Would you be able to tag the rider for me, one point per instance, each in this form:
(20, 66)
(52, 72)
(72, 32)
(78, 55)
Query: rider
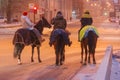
(60, 23)
(86, 19)
(27, 24)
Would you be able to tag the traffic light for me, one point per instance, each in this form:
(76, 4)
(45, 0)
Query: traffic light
(35, 10)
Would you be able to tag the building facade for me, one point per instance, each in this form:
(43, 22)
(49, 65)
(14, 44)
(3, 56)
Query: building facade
(48, 8)
(77, 9)
(69, 8)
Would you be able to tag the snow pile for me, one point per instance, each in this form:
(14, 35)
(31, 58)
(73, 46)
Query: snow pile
(115, 70)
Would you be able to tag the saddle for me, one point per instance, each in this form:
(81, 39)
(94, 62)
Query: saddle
(24, 36)
(61, 32)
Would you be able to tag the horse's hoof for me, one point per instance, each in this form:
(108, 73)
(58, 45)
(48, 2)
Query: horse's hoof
(81, 61)
(89, 62)
(94, 62)
(40, 61)
(43, 40)
(70, 43)
(20, 63)
(84, 64)
(57, 64)
(32, 60)
(61, 63)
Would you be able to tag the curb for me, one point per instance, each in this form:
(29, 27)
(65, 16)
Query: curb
(104, 70)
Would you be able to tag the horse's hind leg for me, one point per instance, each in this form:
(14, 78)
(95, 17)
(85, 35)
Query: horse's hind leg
(21, 47)
(61, 58)
(32, 60)
(57, 59)
(85, 55)
(89, 58)
(94, 61)
(81, 53)
(93, 55)
(38, 50)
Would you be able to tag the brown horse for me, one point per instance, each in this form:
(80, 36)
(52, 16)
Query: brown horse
(90, 43)
(59, 38)
(25, 37)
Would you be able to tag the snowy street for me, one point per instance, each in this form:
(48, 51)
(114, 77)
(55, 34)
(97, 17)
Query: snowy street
(9, 70)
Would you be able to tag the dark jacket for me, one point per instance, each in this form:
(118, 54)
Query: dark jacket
(59, 22)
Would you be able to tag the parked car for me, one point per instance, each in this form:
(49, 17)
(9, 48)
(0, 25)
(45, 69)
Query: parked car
(3, 19)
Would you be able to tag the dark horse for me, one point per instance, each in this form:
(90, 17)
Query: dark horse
(89, 42)
(25, 37)
(60, 39)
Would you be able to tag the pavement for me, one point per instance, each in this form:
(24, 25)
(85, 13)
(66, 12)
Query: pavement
(89, 71)
(12, 25)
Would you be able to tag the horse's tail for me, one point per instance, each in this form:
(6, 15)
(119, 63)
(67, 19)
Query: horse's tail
(92, 40)
(15, 53)
(17, 39)
(18, 49)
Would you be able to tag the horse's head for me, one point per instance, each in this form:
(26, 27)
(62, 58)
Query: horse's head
(41, 24)
(46, 23)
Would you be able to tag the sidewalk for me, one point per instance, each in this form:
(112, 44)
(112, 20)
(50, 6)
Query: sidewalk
(12, 25)
(88, 72)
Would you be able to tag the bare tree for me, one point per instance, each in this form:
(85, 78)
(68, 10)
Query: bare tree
(8, 10)
(5, 9)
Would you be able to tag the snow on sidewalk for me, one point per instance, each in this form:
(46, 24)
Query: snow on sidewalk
(115, 70)
(89, 71)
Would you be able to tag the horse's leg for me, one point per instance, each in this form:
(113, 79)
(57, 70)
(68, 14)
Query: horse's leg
(85, 46)
(19, 59)
(93, 55)
(32, 60)
(94, 61)
(63, 56)
(57, 58)
(21, 47)
(38, 50)
(89, 54)
(81, 53)
(89, 57)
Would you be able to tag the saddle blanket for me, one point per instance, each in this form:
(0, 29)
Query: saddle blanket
(84, 31)
(24, 36)
(57, 32)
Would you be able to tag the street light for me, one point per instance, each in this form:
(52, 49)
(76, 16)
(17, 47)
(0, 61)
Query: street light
(35, 12)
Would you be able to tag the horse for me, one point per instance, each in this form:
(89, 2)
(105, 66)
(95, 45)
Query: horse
(59, 38)
(24, 37)
(88, 43)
